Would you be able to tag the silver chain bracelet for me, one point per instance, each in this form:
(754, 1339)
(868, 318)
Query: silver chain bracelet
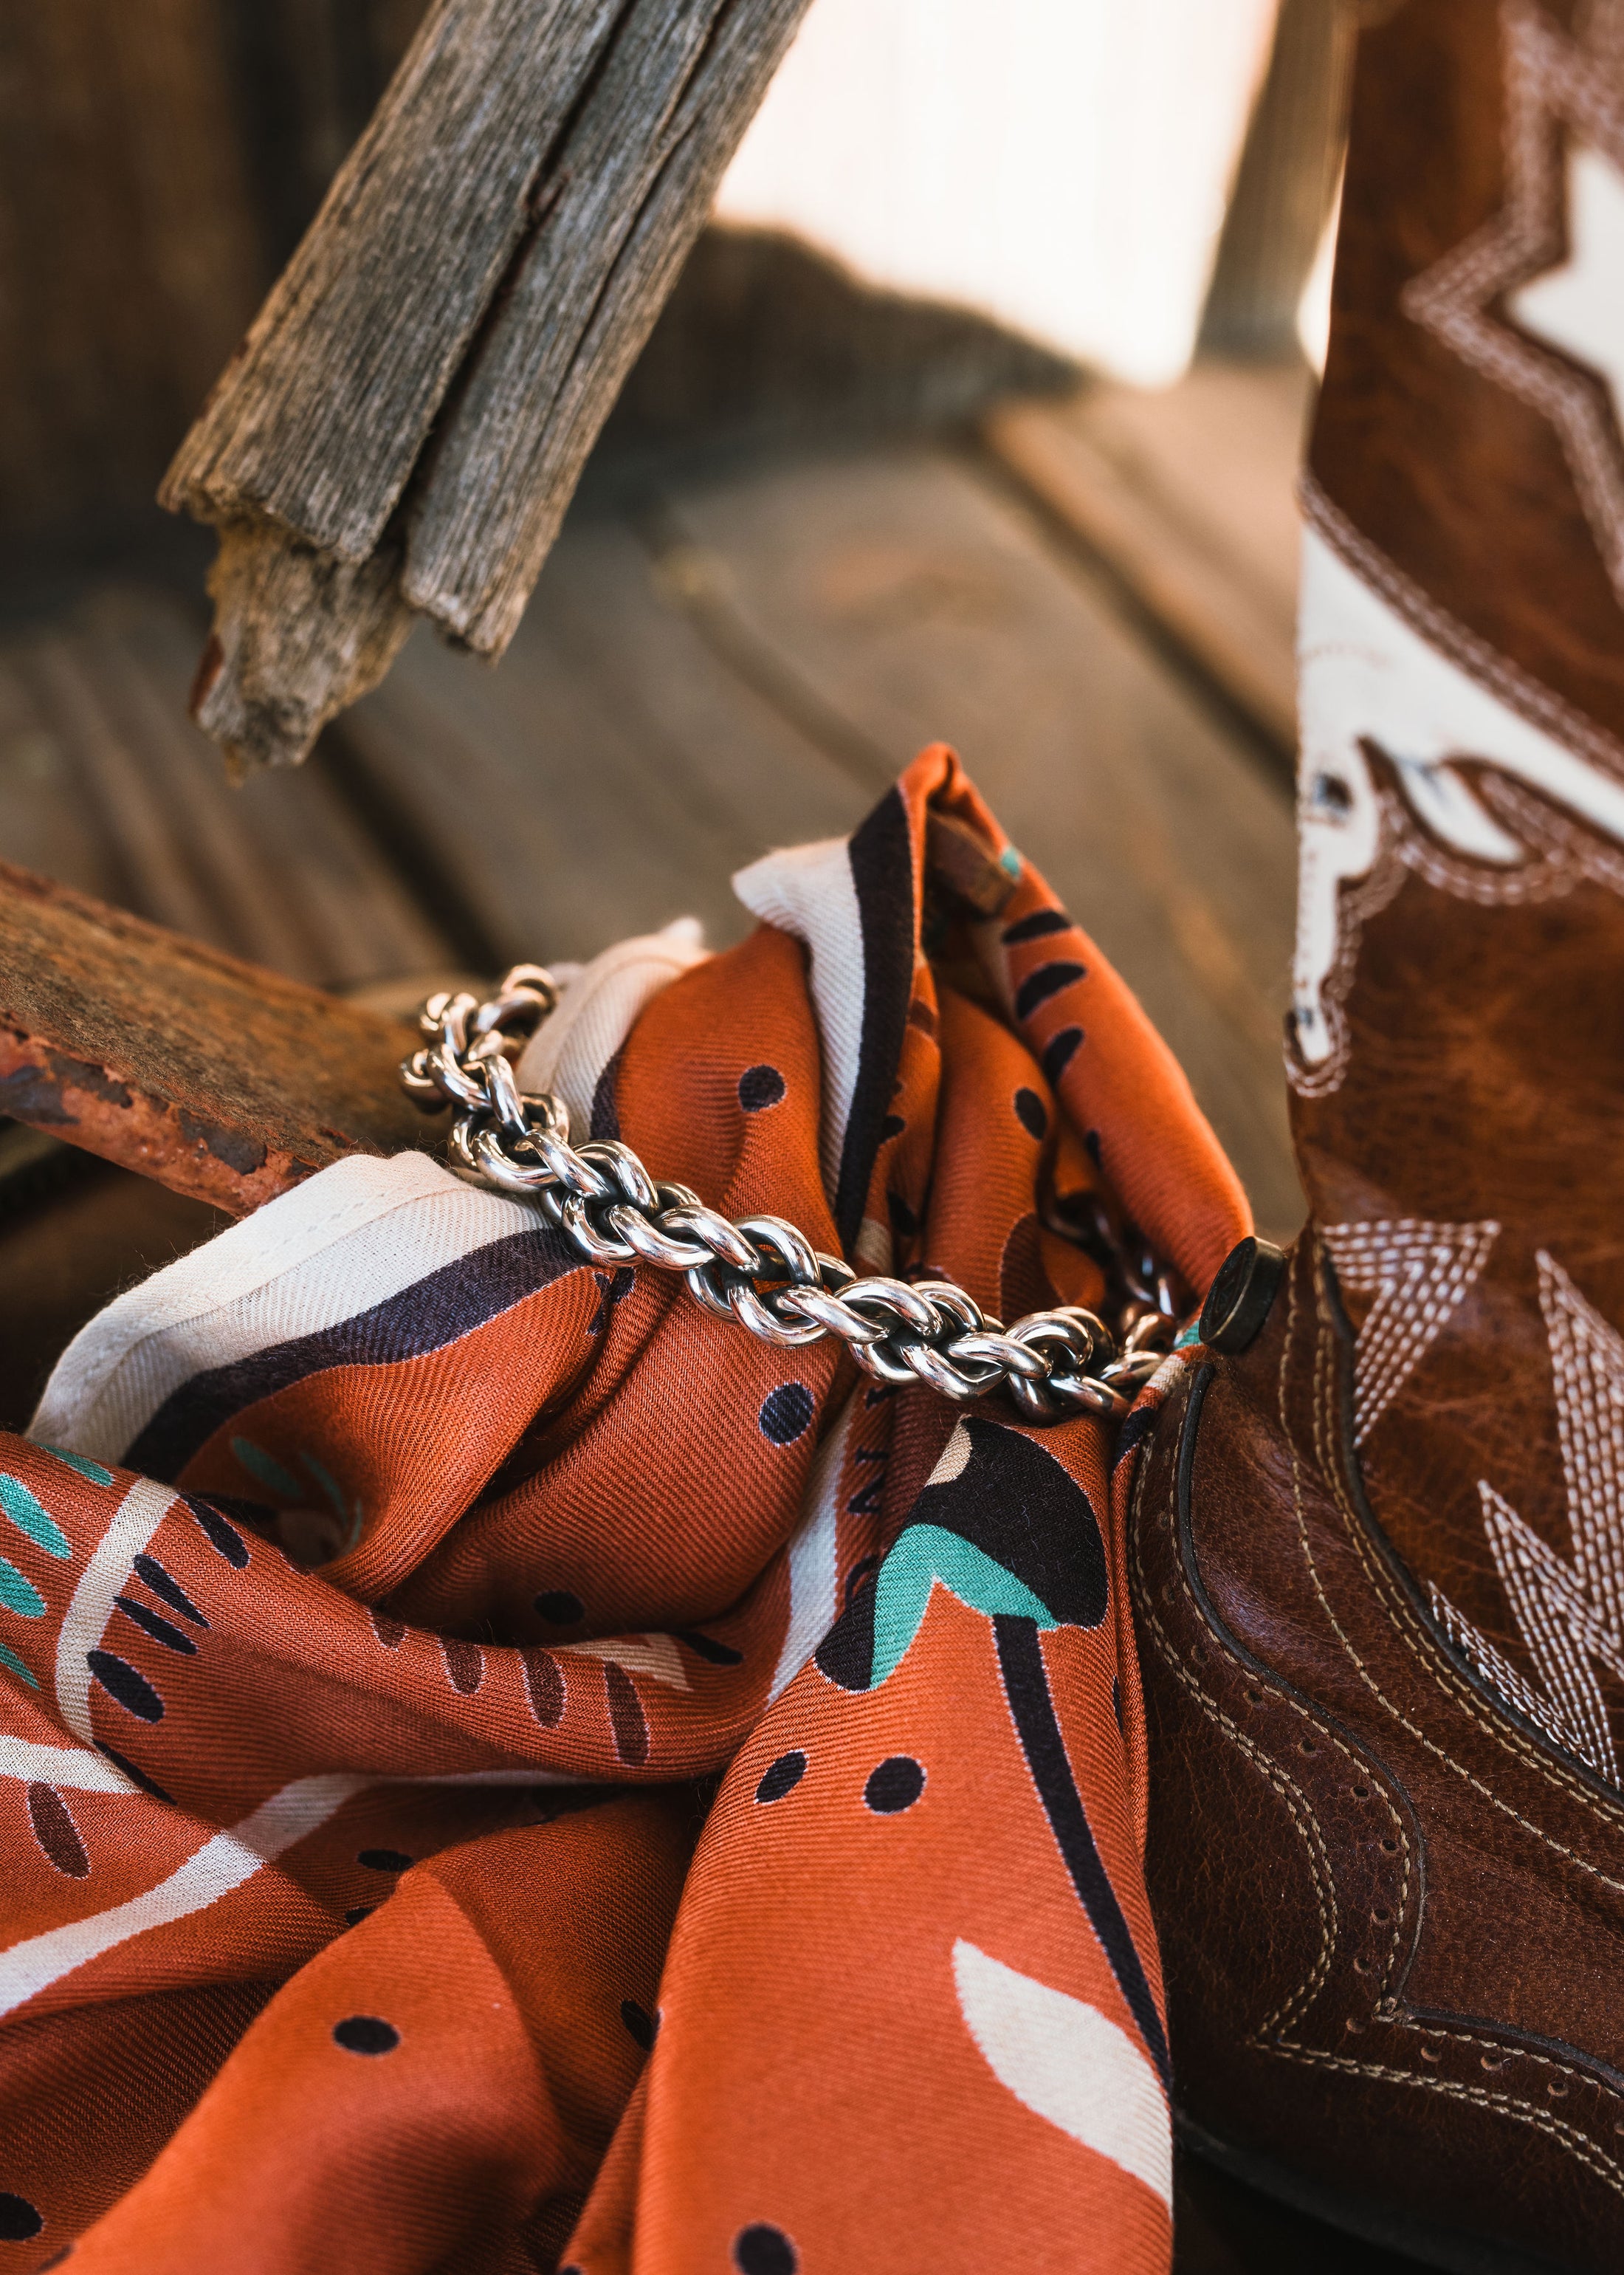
(761, 1271)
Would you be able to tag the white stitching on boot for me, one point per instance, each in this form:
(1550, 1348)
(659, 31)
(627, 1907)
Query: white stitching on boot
(1569, 1615)
(1418, 1273)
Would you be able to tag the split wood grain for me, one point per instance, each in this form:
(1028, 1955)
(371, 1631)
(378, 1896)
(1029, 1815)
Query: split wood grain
(219, 1079)
(404, 427)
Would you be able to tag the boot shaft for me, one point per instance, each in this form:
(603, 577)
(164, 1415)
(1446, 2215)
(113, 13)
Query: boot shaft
(1456, 1044)
(1376, 1543)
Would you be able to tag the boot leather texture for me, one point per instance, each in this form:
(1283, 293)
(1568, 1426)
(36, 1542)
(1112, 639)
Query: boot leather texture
(1390, 1909)
(1378, 1556)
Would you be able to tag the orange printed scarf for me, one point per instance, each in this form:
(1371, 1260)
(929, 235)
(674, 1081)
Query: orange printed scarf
(501, 1771)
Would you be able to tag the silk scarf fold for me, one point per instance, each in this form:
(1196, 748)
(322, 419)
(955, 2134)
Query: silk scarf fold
(501, 1771)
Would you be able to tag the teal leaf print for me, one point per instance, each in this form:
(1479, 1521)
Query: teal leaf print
(353, 1518)
(94, 1471)
(26, 1515)
(19, 1595)
(267, 1468)
(927, 1553)
(10, 1659)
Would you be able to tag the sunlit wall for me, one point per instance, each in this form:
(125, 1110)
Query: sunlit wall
(1061, 165)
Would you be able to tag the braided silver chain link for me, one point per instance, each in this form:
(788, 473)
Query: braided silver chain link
(760, 1271)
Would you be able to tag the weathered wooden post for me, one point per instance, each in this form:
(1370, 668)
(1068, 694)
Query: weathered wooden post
(410, 413)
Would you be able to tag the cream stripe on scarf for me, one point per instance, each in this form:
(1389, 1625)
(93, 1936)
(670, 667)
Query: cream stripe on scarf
(135, 1520)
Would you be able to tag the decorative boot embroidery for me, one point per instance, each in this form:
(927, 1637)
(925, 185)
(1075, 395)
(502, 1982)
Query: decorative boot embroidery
(1551, 256)
(1570, 1617)
(1419, 1274)
(1371, 677)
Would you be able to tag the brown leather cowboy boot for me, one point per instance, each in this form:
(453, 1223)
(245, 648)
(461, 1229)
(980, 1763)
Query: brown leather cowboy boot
(1377, 1531)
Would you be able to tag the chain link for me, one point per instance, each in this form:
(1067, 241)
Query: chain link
(760, 1271)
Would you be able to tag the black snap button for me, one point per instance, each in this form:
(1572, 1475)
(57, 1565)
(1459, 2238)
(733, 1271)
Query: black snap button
(1239, 1299)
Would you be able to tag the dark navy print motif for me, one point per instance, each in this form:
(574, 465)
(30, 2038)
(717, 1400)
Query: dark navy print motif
(881, 858)
(759, 1087)
(425, 1317)
(1048, 979)
(121, 1682)
(1058, 1052)
(1012, 1535)
(1031, 1113)
(1036, 926)
(786, 1412)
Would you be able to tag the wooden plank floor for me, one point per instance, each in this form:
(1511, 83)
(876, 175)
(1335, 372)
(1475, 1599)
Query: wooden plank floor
(1189, 495)
(733, 656)
(105, 783)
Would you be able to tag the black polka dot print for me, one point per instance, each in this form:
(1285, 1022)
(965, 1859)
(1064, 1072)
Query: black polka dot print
(761, 2249)
(559, 1608)
(19, 2219)
(895, 1786)
(640, 2023)
(782, 1777)
(786, 1413)
(1032, 1112)
(365, 2033)
(385, 1860)
(759, 1087)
